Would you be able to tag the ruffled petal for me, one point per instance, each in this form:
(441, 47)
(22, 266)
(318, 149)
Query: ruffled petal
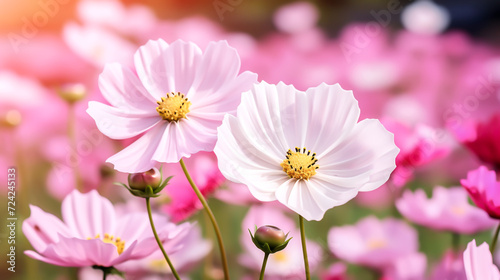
(42, 229)
(118, 125)
(88, 214)
(369, 152)
(123, 89)
(296, 195)
(164, 68)
(332, 113)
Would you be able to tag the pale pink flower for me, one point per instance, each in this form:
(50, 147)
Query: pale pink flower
(296, 17)
(478, 262)
(194, 249)
(304, 149)
(451, 266)
(284, 264)
(448, 209)
(484, 189)
(408, 267)
(91, 234)
(191, 91)
(373, 242)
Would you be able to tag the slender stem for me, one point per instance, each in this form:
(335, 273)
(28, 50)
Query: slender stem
(212, 219)
(304, 249)
(104, 275)
(494, 241)
(263, 266)
(148, 205)
(73, 145)
(455, 242)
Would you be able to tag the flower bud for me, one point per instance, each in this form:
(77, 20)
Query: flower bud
(270, 235)
(73, 92)
(139, 181)
(270, 239)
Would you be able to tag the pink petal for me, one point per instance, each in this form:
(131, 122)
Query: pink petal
(88, 214)
(42, 229)
(163, 68)
(478, 262)
(118, 125)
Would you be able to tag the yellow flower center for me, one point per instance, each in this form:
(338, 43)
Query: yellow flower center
(376, 243)
(120, 244)
(299, 164)
(173, 107)
(280, 257)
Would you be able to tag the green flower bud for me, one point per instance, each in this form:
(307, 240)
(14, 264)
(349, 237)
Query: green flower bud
(139, 181)
(270, 239)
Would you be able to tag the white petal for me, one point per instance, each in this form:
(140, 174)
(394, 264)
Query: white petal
(164, 68)
(123, 89)
(369, 152)
(116, 124)
(296, 195)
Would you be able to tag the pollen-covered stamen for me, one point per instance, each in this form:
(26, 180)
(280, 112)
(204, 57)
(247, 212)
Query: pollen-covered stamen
(300, 164)
(173, 107)
(120, 244)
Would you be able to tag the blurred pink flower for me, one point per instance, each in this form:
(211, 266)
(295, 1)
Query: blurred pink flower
(478, 262)
(194, 249)
(296, 17)
(408, 267)
(448, 209)
(337, 271)
(191, 90)
(484, 190)
(419, 146)
(451, 266)
(182, 200)
(484, 141)
(284, 264)
(286, 145)
(91, 234)
(372, 242)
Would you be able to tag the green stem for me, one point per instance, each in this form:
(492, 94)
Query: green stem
(455, 242)
(304, 249)
(148, 205)
(104, 275)
(494, 241)
(212, 219)
(263, 266)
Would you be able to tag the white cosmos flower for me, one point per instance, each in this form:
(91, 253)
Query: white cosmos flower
(305, 149)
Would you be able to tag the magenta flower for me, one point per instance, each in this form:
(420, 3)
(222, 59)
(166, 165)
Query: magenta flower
(479, 263)
(484, 190)
(91, 233)
(372, 242)
(484, 141)
(176, 101)
(448, 209)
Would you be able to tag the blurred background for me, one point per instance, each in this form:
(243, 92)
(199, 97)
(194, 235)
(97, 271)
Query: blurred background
(427, 69)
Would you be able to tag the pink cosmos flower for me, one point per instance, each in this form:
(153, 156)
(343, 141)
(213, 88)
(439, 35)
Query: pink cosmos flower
(284, 264)
(409, 267)
(194, 249)
(304, 149)
(478, 262)
(91, 234)
(484, 141)
(419, 146)
(448, 209)
(451, 266)
(182, 201)
(372, 242)
(484, 190)
(176, 101)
